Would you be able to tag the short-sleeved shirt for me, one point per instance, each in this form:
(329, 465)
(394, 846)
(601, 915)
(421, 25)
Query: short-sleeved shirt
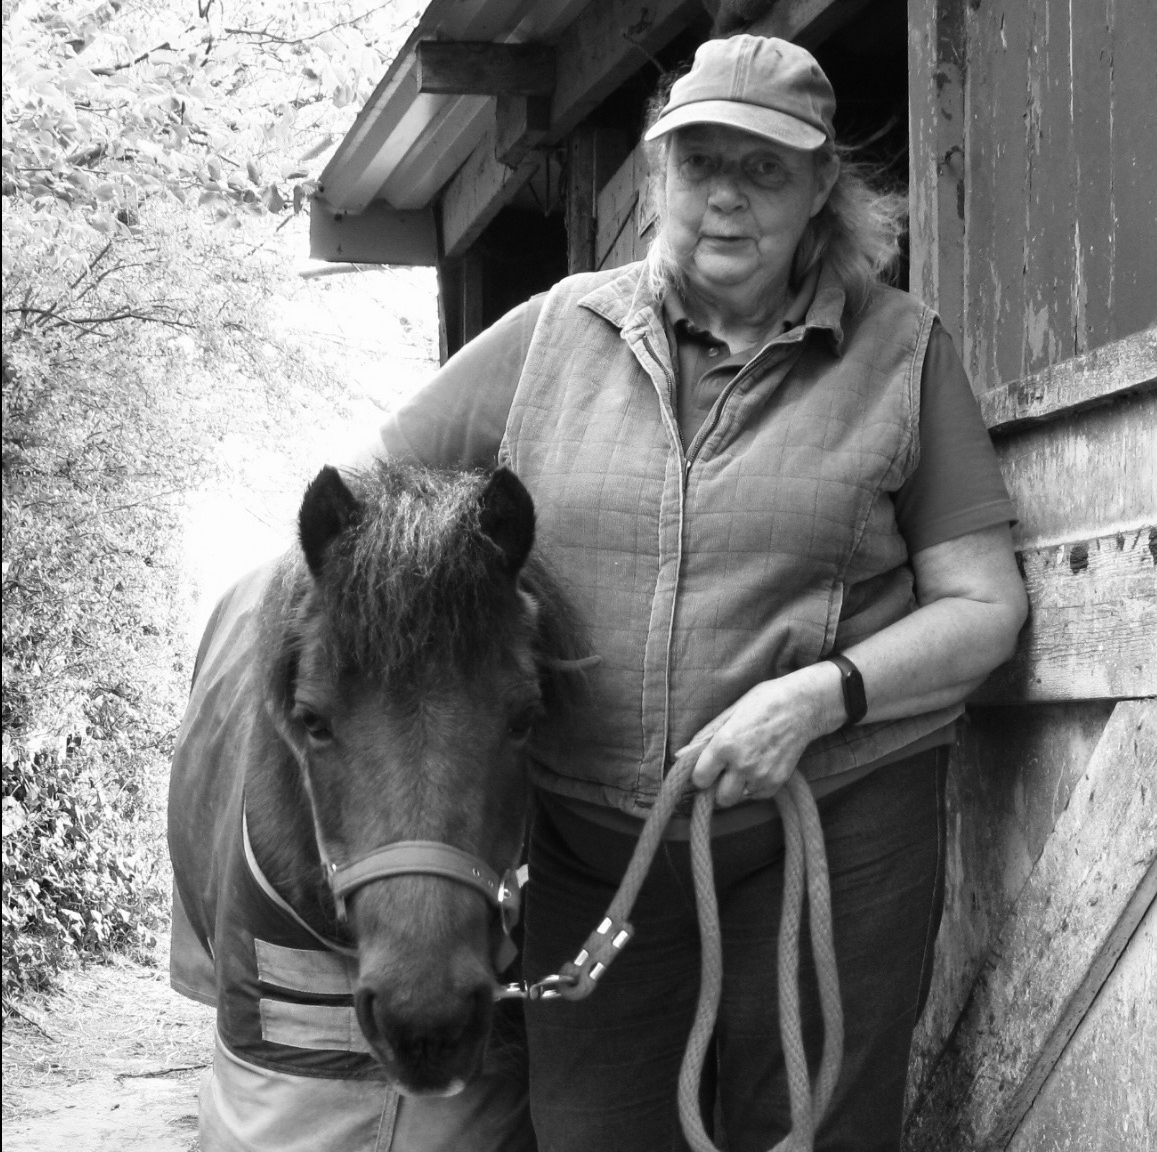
(458, 420)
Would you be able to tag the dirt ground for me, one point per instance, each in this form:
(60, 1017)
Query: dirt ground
(111, 1062)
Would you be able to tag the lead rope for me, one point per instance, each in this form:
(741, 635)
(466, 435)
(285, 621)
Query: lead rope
(804, 862)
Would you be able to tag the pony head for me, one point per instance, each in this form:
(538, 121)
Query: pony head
(420, 656)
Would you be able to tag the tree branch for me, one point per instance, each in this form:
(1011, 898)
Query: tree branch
(270, 38)
(114, 68)
(90, 324)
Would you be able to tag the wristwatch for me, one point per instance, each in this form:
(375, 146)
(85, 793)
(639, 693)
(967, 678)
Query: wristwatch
(855, 702)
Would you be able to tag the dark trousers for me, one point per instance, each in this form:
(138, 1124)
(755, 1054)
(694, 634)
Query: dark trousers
(603, 1071)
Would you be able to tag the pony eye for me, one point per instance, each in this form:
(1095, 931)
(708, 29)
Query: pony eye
(314, 723)
(520, 725)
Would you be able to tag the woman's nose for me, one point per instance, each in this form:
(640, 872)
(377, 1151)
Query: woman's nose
(726, 191)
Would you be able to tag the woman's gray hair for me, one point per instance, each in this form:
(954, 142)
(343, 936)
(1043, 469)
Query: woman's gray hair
(857, 233)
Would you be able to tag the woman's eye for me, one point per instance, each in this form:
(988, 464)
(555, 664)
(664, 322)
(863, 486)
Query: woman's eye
(766, 171)
(698, 165)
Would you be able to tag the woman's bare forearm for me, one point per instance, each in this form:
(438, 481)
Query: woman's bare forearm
(972, 605)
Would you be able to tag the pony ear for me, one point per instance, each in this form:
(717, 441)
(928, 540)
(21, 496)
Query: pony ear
(327, 507)
(508, 517)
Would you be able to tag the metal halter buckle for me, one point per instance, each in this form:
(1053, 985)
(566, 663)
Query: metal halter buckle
(548, 988)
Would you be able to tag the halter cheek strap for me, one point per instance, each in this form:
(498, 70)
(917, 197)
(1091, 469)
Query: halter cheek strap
(428, 858)
(409, 857)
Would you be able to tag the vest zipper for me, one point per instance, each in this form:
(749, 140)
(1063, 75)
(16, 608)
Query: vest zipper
(712, 422)
(674, 402)
(674, 418)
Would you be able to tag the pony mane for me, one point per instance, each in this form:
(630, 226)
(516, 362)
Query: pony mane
(415, 585)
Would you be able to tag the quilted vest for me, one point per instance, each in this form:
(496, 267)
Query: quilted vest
(702, 573)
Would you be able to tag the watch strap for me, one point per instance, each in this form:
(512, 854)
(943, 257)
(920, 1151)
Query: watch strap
(855, 701)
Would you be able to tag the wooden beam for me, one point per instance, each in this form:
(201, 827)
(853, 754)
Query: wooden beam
(807, 22)
(1087, 892)
(521, 124)
(1092, 629)
(608, 42)
(478, 68)
(482, 187)
(379, 235)
(1128, 365)
(580, 200)
(473, 295)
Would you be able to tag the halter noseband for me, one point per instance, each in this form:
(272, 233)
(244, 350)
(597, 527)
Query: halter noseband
(428, 858)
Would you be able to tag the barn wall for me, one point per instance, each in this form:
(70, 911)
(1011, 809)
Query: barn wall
(1034, 196)
(1061, 198)
(1100, 1096)
(1011, 775)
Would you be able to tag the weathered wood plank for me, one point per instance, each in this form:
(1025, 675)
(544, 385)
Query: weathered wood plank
(1084, 477)
(1061, 152)
(601, 49)
(1127, 161)
(617, 238)
(1127, 365)
(1092, 631)
(1094, 233)
(807, 21)
(1102, 1094)
(478, 68)
(936, 184)
(1085, 896)
(1012, 773)
(1048, 265)
(997, 154)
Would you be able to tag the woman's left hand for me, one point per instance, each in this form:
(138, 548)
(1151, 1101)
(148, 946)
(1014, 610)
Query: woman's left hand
(753, 747)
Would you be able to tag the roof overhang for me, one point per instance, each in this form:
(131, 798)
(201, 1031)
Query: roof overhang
(423, 171)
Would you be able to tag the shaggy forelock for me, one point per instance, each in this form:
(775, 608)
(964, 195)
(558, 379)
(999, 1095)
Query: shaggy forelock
(415, 583)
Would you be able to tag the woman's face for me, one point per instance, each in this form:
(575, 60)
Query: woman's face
(737, 206)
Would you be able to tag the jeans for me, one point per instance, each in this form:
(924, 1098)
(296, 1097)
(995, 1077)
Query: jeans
(604, 1069)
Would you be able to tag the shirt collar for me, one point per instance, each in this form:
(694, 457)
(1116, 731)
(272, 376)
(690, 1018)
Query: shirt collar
(628, 302)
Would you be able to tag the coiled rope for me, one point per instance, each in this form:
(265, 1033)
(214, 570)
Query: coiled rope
(804, 863)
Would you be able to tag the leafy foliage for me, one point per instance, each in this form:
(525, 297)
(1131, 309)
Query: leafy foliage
(108, 105)
(139, 343)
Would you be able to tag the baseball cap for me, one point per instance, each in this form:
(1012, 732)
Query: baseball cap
(758, 84)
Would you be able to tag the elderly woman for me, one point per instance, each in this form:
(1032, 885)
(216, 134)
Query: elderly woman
(765, 479)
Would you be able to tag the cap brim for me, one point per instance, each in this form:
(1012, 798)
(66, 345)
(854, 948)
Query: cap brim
(759, 121)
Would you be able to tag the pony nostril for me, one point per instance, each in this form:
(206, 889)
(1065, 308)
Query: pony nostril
(426, 1042)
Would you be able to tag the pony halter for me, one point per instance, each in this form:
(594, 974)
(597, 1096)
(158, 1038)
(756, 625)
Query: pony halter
(428, 858)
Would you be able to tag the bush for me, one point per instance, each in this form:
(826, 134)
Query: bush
(127, 386)
(81, 871)
(144, 359)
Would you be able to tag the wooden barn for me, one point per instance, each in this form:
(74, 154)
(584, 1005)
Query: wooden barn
(501, 148)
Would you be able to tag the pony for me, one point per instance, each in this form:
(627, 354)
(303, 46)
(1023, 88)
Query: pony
(349, 785)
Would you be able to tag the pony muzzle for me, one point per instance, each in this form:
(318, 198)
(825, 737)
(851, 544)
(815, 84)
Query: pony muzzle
(429, 1052)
